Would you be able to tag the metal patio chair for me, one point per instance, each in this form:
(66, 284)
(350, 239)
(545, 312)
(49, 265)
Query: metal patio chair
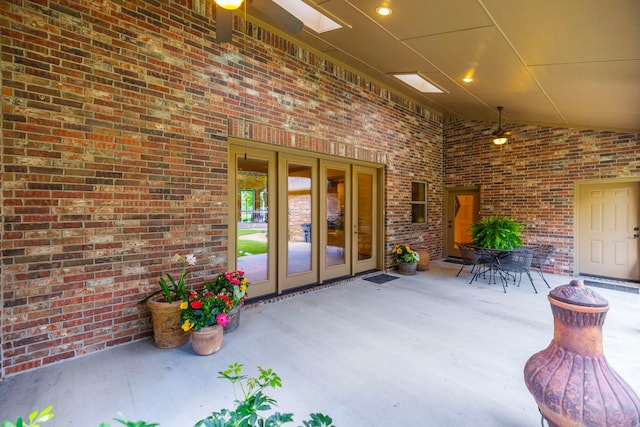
(469, 257)
(540, 258)
(512, 266)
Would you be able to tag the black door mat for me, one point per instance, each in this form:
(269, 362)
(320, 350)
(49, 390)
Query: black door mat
(381, 278)
(614, 286)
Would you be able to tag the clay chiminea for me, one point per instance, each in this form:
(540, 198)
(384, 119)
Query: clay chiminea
(571, 380)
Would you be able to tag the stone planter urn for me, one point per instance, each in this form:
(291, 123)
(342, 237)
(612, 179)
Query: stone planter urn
(167, 328)
(207, 340)
(570, 380)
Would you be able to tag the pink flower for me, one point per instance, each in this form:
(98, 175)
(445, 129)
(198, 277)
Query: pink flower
(222, 319)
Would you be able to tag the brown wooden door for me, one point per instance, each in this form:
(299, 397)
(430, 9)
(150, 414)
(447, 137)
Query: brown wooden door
(462, 210)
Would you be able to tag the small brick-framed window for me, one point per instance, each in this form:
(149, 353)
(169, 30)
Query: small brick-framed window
(418, 202)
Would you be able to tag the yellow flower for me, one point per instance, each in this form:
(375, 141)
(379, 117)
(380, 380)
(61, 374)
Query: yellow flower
(243, 287)
(187, 325)
(184, 305)
(244, 281)
(408, 249)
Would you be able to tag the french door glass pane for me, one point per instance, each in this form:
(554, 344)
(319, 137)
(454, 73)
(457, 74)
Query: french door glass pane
(335, 217)
(365, 216)
(299, 219)
(252, 218)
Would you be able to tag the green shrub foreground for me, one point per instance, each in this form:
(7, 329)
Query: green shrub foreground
(247, 413)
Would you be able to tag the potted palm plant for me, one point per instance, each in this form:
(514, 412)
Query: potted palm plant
(164, 305)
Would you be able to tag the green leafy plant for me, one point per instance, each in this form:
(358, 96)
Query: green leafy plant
(35, 418)
(497, 232)
(404, 253)
(122, 420)
(174, 288)
(253, 401)
(247, 413)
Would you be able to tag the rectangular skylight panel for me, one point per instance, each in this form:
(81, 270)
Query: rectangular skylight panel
(418, 82)
(309, 16)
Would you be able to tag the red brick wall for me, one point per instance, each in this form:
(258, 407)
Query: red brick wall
(115, 123)
(532, 178)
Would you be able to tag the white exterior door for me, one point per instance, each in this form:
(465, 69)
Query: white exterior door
(608, 230)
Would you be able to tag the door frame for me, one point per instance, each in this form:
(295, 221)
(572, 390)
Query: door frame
(268, 286)
(332, 272)
(576, 211)
(377, 219)
(286, 279)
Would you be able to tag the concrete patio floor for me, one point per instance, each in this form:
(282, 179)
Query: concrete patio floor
(423, 350)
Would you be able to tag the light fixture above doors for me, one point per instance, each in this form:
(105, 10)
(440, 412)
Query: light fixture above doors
(229, 4)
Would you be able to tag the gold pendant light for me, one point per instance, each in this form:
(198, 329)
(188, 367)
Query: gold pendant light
(229, 4)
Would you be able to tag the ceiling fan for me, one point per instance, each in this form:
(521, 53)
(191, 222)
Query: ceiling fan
(500, 136)
(224, 16)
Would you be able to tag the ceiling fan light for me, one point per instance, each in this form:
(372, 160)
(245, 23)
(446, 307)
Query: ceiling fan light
(229, 4)
(500, 141)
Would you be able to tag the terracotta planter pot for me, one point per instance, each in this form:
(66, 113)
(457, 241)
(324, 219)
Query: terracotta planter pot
(407, 268)
(234, 320)
(167, 329)
(425, 259)
(207, 340)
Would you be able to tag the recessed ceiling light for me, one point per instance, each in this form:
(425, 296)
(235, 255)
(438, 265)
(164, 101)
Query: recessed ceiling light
(418, 82)
(383, 11)
(467, 79)
(311, 18)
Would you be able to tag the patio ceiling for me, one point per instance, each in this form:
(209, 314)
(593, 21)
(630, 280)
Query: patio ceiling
(572, 63)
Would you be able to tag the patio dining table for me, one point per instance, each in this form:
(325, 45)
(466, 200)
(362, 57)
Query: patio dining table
(509, 264)
(490, 259)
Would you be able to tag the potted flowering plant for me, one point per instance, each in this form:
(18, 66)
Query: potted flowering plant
(233, 285)
(204, 314)
(405, 258)
(203, 309)
(164, 305)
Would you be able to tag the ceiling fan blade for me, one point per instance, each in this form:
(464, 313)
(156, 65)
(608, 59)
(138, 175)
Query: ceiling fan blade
(279, 15)
(224, 25)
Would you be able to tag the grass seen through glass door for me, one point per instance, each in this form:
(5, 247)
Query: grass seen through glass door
(251, 246)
